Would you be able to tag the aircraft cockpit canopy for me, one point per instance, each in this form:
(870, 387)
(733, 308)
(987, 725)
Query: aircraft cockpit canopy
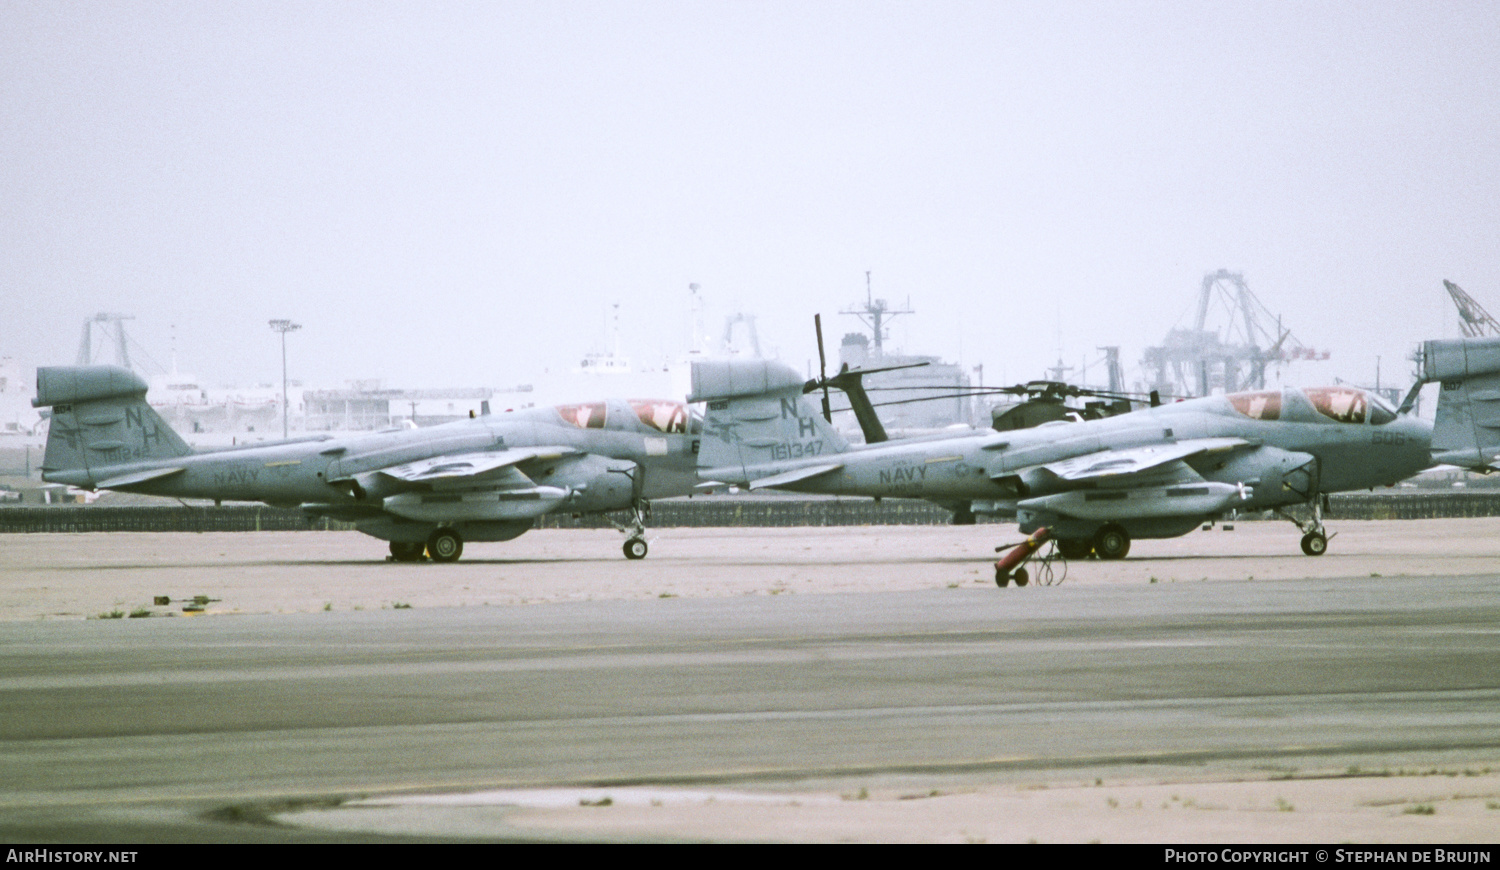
(1350, 405)
(663, 416)
(589, 415)
(660, 415)
(1340, 404)
(1262, 405)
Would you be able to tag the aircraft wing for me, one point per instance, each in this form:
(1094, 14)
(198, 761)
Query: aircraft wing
(497, 466)
(1135, 460)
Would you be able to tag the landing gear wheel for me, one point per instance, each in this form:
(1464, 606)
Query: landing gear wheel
(408, 551)
(445, 545)
(1314, 544)
(635, 548)
(1112, 542)
(1075, 548)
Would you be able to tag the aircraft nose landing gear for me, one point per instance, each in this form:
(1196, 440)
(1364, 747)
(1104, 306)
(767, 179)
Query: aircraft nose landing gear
(635, 533)
(1314, 537)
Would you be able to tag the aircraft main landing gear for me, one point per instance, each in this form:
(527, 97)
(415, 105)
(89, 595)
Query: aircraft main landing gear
(635, 548)
(1112, 542)
(408, 551)
(1075, 548)
(445, 545)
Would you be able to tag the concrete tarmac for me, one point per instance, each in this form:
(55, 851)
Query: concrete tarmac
(788, 684)
(77, 576)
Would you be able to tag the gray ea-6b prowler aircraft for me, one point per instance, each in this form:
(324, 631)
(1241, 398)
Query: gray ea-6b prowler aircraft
(425, 491)
(1095, 485)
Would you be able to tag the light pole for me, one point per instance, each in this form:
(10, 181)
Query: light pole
(283, 327)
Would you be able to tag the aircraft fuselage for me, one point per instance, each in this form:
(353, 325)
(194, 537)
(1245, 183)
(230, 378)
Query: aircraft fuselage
(304, 471)
(994, 466)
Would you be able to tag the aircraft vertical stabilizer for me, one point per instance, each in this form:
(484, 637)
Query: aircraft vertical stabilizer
(757, 418)
(1466, 431)
(100, 418)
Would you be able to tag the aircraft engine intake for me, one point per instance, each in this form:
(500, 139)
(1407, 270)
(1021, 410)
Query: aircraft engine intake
(598, 483)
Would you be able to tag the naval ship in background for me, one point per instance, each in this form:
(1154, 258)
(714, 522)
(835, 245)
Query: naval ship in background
(918, 394)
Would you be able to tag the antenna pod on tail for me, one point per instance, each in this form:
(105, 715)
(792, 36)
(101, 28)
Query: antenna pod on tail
(99, 419)
(1466, 431)
(757, 418)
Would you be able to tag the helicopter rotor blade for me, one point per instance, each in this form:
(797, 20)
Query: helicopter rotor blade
(823, 368)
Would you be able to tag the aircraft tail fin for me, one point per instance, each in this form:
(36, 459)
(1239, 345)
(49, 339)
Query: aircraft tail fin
(100, 419)
(1466, 431)
(757, 419)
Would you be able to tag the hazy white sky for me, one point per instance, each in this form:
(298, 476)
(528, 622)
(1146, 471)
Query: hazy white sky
(453, 193)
